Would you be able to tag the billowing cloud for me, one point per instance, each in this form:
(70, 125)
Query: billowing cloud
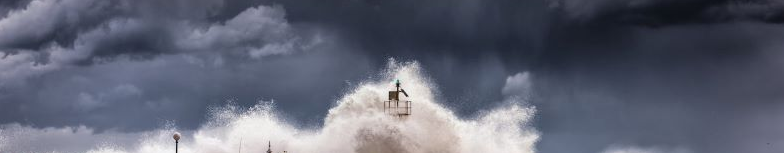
(258, 31)
(518, 85)
(694, 68)
(49, 35)
(42, 19)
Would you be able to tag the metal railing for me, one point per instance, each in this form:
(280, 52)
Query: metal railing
(398, 108)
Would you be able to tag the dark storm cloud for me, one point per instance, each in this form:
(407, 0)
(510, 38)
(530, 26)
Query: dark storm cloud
(67, 62)
(604, 79)
(705, 80)
(687, 84)
(456, 41)
(462, 28)
(50, 35)
(656, 13)
(675, 86)
(180, 89)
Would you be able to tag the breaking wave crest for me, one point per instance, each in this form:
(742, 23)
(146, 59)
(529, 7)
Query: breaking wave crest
(357, 124)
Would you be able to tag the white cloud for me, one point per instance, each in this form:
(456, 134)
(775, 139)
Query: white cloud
(518, 85)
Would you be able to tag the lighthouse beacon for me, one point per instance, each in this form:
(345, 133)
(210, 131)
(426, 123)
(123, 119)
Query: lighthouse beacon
(396, 107)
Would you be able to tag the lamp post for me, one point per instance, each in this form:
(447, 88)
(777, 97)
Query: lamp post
(176, 141)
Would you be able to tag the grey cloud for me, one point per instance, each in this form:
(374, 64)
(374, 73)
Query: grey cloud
(654, 13)
(41, 22)
(672, 86)
(28, 63)
(97, 33)
(259, 31)
(20, 138)
(463, 29)
(74, 60)
(180, 87)
(601, 82)
(7, 6)
(86, 101)
(597, 77)
(90, 101)
(17, 67)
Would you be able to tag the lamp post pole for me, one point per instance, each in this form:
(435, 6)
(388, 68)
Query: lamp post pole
(176, 141)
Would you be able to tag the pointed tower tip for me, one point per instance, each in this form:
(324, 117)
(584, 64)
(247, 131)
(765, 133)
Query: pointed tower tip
(269, 150)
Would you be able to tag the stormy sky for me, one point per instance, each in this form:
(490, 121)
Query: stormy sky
(604, 75)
